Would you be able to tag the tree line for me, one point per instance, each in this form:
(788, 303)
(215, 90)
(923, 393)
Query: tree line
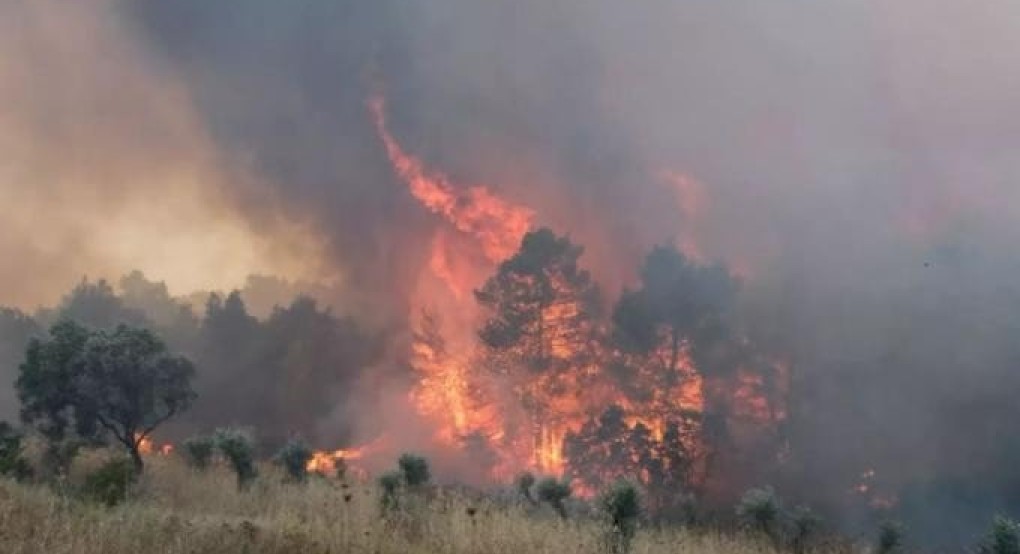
(282, 373)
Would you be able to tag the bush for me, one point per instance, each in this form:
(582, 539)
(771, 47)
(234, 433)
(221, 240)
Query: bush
(198, 451)
(389, 485)
(110, 483)
(682, 508)
(554, 492)
(759, 510)
(621, 503)
(237, 447)
(415, 470)
(59, 455)
(890, 537)
(1003, 538)
(12, 464)
(804, 522)
(340, 468)
(524, 483)
(294, 457)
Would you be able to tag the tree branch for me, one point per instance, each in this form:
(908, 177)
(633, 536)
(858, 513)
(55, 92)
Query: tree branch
(122, 437)
(170, 413)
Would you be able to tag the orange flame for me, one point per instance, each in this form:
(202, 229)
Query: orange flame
(497, 224)
(465, 402)
(327, 462)
(147, 447)
(447, 392)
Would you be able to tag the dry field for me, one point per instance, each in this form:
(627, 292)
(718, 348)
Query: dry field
(174, 509)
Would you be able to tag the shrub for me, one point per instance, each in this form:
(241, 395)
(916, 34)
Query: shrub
(340, 468)
(110, 483)
(198, 451)
(237, 447)
(553, 492)
(1003, 538)
(682, 508)
(12, 464)
(890, 537)
(415, 470)
(804, 522)
(621, 503)
(294, 457)
(389, 485)
(524, 483)
(759, 510)
(59, 455)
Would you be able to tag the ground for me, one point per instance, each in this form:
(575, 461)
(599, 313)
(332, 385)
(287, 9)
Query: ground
(174, 509)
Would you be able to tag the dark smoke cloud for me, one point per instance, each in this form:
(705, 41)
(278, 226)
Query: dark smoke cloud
(856, 163)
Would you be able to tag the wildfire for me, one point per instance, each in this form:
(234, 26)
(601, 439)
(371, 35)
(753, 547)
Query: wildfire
(559, 401)
(495, 223)
(444, 339)
(327, 462)
(146, 447)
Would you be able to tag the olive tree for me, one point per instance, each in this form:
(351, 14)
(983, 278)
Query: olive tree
(120, 383)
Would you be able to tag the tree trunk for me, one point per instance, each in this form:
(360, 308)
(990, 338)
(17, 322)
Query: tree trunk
(541, 339)
(560, 509)
(136, 457)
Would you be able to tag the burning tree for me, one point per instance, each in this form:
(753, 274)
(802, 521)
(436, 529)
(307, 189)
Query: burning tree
(607, 448)
(679, 377)
(541, 335)
(679, 308)
(666, 372)
(544, 339)
(679, 356)
(446, 386)
(654, 431)
(664, 334)
(652, 400)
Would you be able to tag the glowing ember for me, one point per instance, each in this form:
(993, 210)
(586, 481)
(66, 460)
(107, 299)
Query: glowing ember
(868, 488)
(147, 447)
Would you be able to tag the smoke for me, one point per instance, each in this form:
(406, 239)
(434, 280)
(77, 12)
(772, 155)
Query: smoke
(854, 162)
(108, 167)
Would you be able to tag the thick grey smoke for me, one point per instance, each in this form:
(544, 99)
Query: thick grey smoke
(853, 161)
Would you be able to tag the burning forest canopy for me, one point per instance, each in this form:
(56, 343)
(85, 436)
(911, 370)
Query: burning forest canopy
(709, 246)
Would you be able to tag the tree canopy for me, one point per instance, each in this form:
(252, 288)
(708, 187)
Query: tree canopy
(120, 383)
(541, 305)
(541, 330)
(678, 299)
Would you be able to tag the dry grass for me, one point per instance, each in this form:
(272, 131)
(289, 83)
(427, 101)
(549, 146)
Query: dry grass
(176, 510)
